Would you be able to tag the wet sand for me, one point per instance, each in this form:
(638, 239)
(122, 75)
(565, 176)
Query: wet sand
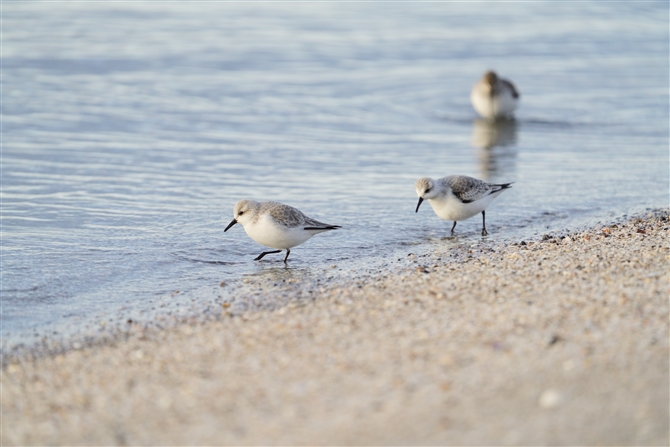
(558, 340)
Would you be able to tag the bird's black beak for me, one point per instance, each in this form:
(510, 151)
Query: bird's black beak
(230, 225)
(419, 204)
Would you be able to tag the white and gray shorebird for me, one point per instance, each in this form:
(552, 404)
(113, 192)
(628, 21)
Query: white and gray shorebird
(494, 97)
(276, 225)
(458, 197)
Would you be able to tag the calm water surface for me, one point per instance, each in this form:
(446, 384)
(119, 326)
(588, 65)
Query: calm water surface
(131, 129)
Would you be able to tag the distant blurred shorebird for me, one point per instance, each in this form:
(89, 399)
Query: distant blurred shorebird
(494, 97)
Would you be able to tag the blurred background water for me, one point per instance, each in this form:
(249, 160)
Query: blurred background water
(130, 129)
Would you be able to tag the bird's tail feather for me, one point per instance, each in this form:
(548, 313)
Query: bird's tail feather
(327, 227)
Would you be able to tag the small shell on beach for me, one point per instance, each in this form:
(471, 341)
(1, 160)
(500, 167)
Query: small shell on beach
(550, 398)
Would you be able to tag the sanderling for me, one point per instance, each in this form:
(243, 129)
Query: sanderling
(458, 197)
(276, 225)
(494, 97)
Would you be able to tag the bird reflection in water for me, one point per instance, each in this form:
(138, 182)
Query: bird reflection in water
(495, 141)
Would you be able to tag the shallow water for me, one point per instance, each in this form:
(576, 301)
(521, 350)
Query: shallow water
(131, 129)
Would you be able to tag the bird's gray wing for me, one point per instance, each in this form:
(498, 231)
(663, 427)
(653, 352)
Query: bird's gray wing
(292, 218)
(467, 189)
(285, 215)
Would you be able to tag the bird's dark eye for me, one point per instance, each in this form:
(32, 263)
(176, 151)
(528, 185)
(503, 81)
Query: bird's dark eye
(427, 191)
(240, 213)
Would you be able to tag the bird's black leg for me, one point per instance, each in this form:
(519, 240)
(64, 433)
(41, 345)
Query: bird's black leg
(259, 257)
(288, 252)
(452, 228)
(484, 233)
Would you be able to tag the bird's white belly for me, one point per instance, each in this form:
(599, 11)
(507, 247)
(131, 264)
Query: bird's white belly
(266, 232)
(450, 208)
(503, 104)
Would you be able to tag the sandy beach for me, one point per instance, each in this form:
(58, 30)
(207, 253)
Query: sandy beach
(558, 340)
